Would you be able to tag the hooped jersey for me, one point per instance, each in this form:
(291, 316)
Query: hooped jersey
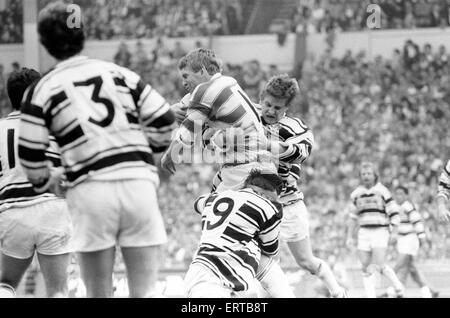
(444, 182)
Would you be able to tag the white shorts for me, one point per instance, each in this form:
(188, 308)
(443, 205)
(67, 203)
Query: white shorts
(408, 244)
(201, 282)
(110, 213)
(45, 228)
(234, 177)
(295, 223)
(368, 239)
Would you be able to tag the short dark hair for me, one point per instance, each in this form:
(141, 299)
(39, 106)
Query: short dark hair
(282, 87)
(403, 188)
(199, 59)
(17, 84)
(60, 40)
(265, 181)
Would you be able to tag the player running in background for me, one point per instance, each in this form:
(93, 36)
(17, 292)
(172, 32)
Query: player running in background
(108, 124)
(237, 227)
(218, 103)
(374, 213)
(411, 235)
(444, 194)
(293, 141)
(32, 221)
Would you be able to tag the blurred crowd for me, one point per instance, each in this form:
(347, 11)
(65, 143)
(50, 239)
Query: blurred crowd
(11, 21)
(352, 15)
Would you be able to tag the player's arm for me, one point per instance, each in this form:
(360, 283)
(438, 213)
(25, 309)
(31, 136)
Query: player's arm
(34, 141)
(270, 233)
(443, 196)
(297, 149)
(392, 209)
(200, 203)
(186, 136)
(416, 220)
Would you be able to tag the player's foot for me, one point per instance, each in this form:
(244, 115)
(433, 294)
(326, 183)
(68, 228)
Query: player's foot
(342, 293)
(399, 293)
(435, 294)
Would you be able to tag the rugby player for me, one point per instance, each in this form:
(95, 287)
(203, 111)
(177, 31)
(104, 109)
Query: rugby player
(444, 194)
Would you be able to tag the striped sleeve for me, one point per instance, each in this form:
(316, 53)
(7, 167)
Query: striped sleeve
(300, 141)
(416, 220)
(353, 209)
(270, 231)
(444, 183)
(34, 139)
(52, 153)
(392, 208)
(157, 119)
(200, 203)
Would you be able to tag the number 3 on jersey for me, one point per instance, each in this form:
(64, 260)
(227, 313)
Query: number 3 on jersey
(98, 83)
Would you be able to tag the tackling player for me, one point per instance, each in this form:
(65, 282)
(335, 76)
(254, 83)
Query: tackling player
(108, 124)
(237, 227)
(218, 103)
(293, 141)
(411, 235)
(32, 221)
(374, 213)
(444, 194)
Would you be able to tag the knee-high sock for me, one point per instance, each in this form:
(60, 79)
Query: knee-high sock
(369, 285)
(387, 271)
(326, 275)
(274, 281)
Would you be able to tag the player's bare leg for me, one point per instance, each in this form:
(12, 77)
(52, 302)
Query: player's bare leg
(368, 273)
(12, 271)
(142, 270)
(54, 270)
(304, 257)
(402, 268)
(419, 279)
(378, 260)
(96, 271)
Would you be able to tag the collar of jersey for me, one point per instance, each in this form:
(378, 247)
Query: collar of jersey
(75, 59)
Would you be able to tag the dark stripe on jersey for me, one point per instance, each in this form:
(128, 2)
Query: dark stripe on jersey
(296, 155)
(189, 125)
(269, 224)
(236, 235)
(371, 195)
(159, 149)
(371, 211)
(111, 161)
(201, 91)
(55, 101)
(253, 214)
(32, 155)
(388, 200)
(18, 193)
(446, 186)
(27, 107)
(233, 117)
(448, 172)
(270, 249)
(221, 99)
(13, 184)
(163, 121)
(33, 110)
(132, 119)
(11, 154)
(247, 259)
(237, 285)
(70, 137)
(200, 108)
(296, 170)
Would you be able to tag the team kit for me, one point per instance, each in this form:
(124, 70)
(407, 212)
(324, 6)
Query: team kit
(79, 174)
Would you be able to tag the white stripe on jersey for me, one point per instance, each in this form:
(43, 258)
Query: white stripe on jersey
(410, 220)
(104, 118)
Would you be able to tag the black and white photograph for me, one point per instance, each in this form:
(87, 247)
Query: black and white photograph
(234, 150)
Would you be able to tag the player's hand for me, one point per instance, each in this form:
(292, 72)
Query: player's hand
(444, 213)
(167, 163)
(54, 182)
(180, 112)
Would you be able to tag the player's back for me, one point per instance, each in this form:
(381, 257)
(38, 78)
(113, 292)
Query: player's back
(15, 189)
(236, 226)
(95, 110)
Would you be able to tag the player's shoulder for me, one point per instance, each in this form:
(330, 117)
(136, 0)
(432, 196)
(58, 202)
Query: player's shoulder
(382, 189)
(293, 124)
(211, 88)
(408, 206)
(268, 207)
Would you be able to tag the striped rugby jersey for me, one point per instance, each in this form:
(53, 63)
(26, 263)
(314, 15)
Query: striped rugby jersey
(410, 220)
(300, 139)
(221, 104)
(15, 189)
(106, 121)
(374, 207)
(444, 182)
(237, 227)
